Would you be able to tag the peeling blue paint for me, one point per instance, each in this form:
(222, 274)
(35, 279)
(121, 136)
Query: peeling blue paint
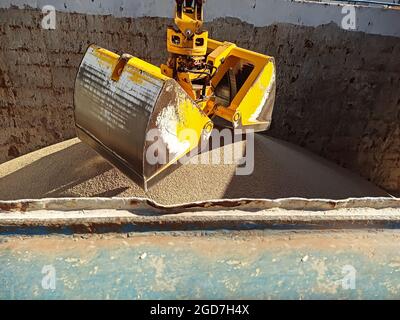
(181, 271)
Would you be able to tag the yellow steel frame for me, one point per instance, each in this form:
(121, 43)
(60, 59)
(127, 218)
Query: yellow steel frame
(252, 93)
(247, 105)
(192, 122)
(187, 47)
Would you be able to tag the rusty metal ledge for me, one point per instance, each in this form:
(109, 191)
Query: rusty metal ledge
(94, 215)
(143, 204)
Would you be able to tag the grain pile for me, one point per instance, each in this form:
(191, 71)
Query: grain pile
(71, 169)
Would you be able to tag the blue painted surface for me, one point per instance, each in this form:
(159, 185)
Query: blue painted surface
(194, 266)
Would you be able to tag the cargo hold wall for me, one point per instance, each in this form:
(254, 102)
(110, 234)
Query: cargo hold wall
(338, 90)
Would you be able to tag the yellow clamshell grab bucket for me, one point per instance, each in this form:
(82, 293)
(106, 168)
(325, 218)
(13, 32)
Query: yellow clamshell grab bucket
(129, 112)
(144, 119)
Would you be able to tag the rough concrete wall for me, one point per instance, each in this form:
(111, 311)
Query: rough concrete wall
(338, 91)
(374, 20)
(38, 69)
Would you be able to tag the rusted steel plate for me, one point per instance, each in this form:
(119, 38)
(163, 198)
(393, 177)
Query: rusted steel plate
(123, 221)
(66, 204)
(118, 215)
